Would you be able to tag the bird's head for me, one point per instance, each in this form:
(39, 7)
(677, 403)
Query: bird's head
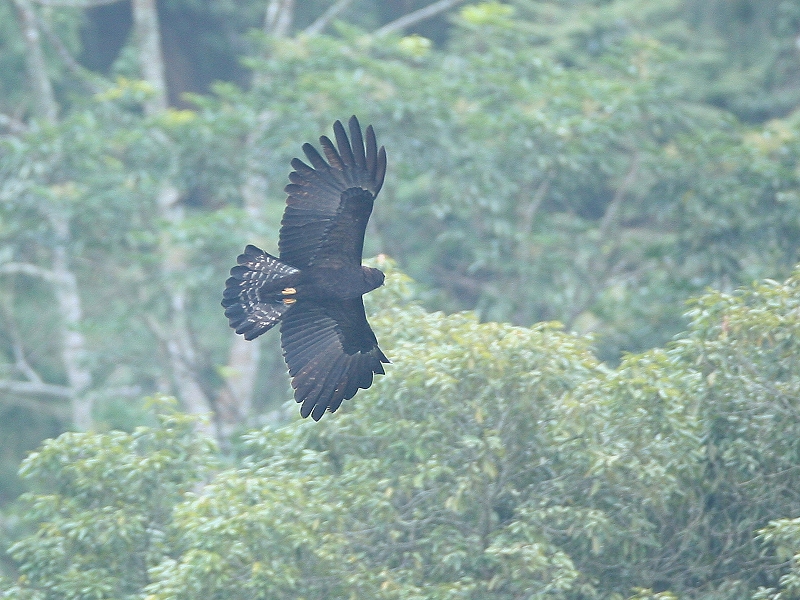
(373, 277)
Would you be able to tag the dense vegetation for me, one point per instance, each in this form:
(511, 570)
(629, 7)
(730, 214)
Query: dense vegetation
(596, 163)
(494, 461)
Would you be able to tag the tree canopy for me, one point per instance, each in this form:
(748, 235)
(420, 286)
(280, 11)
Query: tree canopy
(500, 462)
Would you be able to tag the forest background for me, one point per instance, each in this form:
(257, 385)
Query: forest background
(590, 396)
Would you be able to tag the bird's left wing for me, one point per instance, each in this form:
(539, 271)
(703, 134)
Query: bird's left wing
(331, 352)
(329, 202)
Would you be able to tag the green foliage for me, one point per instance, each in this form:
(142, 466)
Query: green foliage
(105, 502)
(492, 461)
(783, 537)
(398, 497)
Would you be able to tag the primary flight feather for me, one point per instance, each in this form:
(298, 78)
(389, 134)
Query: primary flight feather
(315, 287)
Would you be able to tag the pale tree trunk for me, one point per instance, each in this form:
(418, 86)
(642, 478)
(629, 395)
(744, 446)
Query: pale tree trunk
(151, 60)
(235, 400)
(73, 344)
(25, 392)
(278, 20)
(61, 277)
(46, 106)
(73, 351)
(181, 351)
(178, 341)
(279, 17)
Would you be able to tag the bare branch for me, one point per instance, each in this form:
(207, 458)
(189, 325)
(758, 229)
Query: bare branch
(13, 124)
(83, 74)
(13, 268)
(58, 410)
(35, 388)
(415, 17)
(122, 391)
(524, 250)
(329, 15)
(21, 363)
(602, 264)
(75, 3)
(610, 216)
(536, 201)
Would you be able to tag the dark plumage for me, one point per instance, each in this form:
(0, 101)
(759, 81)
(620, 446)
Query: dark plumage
(315, 287)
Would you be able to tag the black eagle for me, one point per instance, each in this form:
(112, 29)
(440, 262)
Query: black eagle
(315, 287)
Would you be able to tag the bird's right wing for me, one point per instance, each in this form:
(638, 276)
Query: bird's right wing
(329, 203)
(331, 352)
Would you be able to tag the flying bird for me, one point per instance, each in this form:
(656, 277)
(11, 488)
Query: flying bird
(315, 287)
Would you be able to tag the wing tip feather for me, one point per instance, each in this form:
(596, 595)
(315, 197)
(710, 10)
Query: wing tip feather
(380, 170)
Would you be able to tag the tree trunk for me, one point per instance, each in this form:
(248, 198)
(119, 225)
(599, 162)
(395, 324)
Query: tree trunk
(46, 106)
(151, 59)
(180, 347)
(65, 285)
(73, 350)
(279, 17)
(235, 400)
(181, 351)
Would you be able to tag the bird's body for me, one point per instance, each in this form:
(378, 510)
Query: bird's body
(314, 288)
(337, 283)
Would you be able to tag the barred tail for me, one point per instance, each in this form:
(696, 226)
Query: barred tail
(259, 292)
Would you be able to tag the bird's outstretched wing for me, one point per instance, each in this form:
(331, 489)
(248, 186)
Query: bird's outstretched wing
(331, 352)
(329, 203)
